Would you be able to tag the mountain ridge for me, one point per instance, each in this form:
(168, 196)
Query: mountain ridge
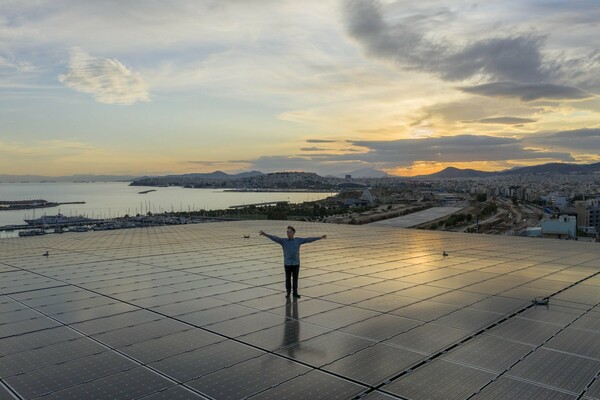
(548, 168)
(365, 173)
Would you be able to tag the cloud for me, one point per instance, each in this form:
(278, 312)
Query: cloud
(108, 80)
(505, 120)
(313, 149)
(577, 140)
(320, 141)
(19, 65)
(45, 149)
(528, 91)
(473, 109)
(205, 162)
(394, 154)
(284, 163)
(514, 58)
(465, 148)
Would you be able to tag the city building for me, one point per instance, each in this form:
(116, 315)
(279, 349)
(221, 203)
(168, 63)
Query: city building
(563, 227)
(588, 215)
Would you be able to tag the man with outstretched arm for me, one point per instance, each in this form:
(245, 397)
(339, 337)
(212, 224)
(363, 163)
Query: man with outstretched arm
(291, 257)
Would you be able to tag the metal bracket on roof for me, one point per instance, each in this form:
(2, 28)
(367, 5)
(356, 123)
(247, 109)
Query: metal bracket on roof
(541, 301)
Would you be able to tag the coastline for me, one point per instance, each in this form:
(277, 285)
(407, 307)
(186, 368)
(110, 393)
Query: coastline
(279, 190)
(31, 204)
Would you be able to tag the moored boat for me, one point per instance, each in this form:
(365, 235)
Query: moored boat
(32, 233)
(58, 219)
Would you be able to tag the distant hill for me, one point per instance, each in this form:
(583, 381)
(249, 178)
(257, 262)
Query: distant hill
(254, 178)
(556, 168)
(246, 180)
(216, 175)
(452, 173)
(550, 168)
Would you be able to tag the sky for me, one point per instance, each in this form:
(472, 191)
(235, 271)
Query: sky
(181, 86)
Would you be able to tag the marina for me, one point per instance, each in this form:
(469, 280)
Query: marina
(116, 205)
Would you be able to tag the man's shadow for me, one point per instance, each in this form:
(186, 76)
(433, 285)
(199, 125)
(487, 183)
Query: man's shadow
(291, 337)
(291, 330)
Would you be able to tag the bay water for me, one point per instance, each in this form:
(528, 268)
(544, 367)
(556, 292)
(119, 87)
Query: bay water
(116, 199)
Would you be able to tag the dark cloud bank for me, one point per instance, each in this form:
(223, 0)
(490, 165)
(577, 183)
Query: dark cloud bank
(515, 64)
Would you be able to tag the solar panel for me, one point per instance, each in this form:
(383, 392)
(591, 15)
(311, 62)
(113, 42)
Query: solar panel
(131, 384)
(375, 364)
(26, 326)
(506, 388)
(425, 310)
(169, 345)
(489, 353)
(197, 312)
(246, 324)
(576, 341)
(50, 379)
(440, 380)
(21, 362)
(429, 338)
(557, 369)
(593, 391)
(204, 360)
(382, 327)
(122, 317)
(340, 317)
(470, 319)
(248, 377)
(313, 385)
(140, 333)
(525, 331)
(175, 393)
(286, 335)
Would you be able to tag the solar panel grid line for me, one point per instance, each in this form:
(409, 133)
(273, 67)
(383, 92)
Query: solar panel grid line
(41, 357)
(128, 384)
(508, 360)
(25, 326)
(455, 345)
(256, 375)
(314, 384)
(507, 388)
(108, 347)
(537, 383)
(589, 389)
(328, 268)
(590, 322)
(6, 393)
(569, 353)
(443, 380)
(576, 395)
(343, 377)
(73, 295)
(16, 316)
(47, 380)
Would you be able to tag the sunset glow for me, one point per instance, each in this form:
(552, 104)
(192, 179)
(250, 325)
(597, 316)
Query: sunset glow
(409, 88)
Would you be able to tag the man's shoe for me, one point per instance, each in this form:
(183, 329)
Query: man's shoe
(296, 296)
(287, 296)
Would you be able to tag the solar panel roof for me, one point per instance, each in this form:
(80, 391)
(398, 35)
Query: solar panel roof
(198, 312)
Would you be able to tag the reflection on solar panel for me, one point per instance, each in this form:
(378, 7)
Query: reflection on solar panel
(198, 312)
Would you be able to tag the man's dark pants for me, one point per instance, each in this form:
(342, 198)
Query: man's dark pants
(291, 274)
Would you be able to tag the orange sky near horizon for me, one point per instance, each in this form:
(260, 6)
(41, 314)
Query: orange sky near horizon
(146, 88)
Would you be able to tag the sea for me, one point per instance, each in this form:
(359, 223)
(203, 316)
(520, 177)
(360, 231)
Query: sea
(116, 199)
